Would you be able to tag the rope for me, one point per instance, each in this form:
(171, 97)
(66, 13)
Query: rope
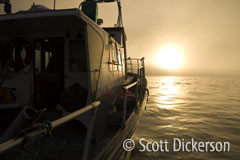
(47, 125)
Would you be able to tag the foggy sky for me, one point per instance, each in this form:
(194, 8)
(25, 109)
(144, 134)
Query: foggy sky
(207, 30)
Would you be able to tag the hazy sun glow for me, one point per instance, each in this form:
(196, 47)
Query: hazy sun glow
(169, 57)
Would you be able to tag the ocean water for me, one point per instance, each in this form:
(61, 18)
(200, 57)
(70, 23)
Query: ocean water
(206, 109)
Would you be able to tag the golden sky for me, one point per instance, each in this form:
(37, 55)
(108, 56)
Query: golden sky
(206, 31)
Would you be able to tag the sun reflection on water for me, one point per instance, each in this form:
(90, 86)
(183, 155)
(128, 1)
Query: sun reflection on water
(169, 90)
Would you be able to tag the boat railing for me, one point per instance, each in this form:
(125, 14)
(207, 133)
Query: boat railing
(134, 65)
(45, 128)
(136, 69)
(125, 89)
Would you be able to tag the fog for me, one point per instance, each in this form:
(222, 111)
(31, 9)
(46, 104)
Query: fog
(206, 30)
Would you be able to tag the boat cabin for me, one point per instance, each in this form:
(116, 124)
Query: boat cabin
(54, 63)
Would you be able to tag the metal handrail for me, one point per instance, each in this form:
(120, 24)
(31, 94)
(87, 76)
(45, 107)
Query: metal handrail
(139, 63)
(135, 58)
(43, 131)
(139, 70)
(141, 67)
(130, 85)
(125, 88)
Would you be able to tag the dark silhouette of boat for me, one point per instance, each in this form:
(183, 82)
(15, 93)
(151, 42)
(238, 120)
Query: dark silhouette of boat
(67, 89)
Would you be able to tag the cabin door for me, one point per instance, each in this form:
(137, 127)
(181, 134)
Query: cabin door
(48, 72)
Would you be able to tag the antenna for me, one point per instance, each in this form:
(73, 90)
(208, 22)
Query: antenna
(54, 4)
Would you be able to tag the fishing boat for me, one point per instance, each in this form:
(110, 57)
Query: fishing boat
(67, 89)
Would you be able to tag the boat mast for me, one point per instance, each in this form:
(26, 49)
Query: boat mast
(119, 21)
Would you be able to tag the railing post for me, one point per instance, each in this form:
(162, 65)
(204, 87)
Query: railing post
(131, 65)
(124, 107)
(137, 94)
(142, 77)
(89, 134)
(143, 67)
(140, 82)
(138, 67)
(143, 88)
(138, 76)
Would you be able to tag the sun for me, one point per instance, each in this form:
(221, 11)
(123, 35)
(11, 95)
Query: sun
(169, 57)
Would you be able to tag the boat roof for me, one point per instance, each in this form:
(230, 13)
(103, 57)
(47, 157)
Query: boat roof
(45, 13)
(56, 17)
(53, 15)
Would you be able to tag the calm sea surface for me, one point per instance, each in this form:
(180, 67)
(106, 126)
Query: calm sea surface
(206, 109)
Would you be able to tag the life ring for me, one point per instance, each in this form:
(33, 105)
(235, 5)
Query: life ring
(12, 52)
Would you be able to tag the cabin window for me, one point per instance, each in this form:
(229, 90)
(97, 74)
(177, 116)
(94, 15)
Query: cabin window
(120, 63)
(78, 60)
(48, 56)
(113, 58)
(116, 59)
(38, 57)
(123, 58)
(45, 60)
